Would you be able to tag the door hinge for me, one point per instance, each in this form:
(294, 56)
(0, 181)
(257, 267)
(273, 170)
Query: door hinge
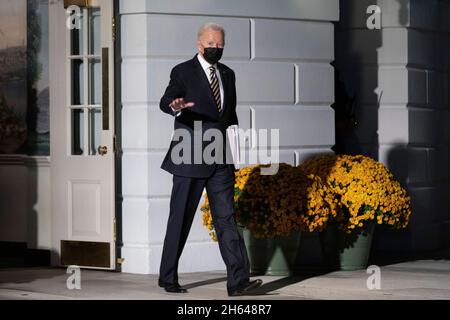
(115, 230)
(115, 145)
(113, 25)
(78, 3)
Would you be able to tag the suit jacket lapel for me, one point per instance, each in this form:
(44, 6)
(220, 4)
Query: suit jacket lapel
(205, 85)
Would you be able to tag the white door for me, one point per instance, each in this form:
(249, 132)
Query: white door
(82, 134)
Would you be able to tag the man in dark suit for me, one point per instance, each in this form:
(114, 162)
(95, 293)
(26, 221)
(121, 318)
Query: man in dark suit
(201, 95)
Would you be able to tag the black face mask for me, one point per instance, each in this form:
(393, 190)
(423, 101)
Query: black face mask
(212, 55)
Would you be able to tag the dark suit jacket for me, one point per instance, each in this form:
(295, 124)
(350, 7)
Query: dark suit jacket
(189, 81)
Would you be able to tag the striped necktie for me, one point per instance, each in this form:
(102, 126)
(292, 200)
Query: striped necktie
(215, 87)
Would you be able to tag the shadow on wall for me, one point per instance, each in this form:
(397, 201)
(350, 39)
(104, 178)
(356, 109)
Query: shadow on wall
(358, 86)
(427, 175)
(20, 245)
(357, 103)
(347, 141)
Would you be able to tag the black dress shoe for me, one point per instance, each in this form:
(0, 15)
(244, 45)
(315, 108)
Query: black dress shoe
(172, 287)
(245, 288)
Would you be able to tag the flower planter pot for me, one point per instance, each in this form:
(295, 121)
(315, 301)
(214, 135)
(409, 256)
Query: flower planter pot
(346, 251)
(272, 256)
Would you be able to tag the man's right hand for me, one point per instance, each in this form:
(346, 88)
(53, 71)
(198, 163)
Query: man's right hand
(179, 104)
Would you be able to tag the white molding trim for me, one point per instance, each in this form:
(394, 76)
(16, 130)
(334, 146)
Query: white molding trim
(24, 160)
(318, 10)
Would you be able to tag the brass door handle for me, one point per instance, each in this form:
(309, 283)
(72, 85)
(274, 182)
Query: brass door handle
(102, 150)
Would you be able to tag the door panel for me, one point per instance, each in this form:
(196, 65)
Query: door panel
(82, 137)
(84, 205)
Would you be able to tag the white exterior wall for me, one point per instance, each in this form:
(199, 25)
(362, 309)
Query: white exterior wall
(404, 66)
(284, 81)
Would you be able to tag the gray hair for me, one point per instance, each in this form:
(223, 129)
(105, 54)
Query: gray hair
(210, 26)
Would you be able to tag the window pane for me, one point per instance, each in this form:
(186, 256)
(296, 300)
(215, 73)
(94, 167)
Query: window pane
(95, 87)
(77, 132)
(95, 127)
(77, 82)
(94, 31)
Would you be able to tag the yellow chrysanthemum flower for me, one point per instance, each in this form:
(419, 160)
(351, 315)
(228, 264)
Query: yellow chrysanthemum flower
(352, 190)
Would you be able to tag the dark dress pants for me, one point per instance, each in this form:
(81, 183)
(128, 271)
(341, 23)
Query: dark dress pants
(186, 194)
